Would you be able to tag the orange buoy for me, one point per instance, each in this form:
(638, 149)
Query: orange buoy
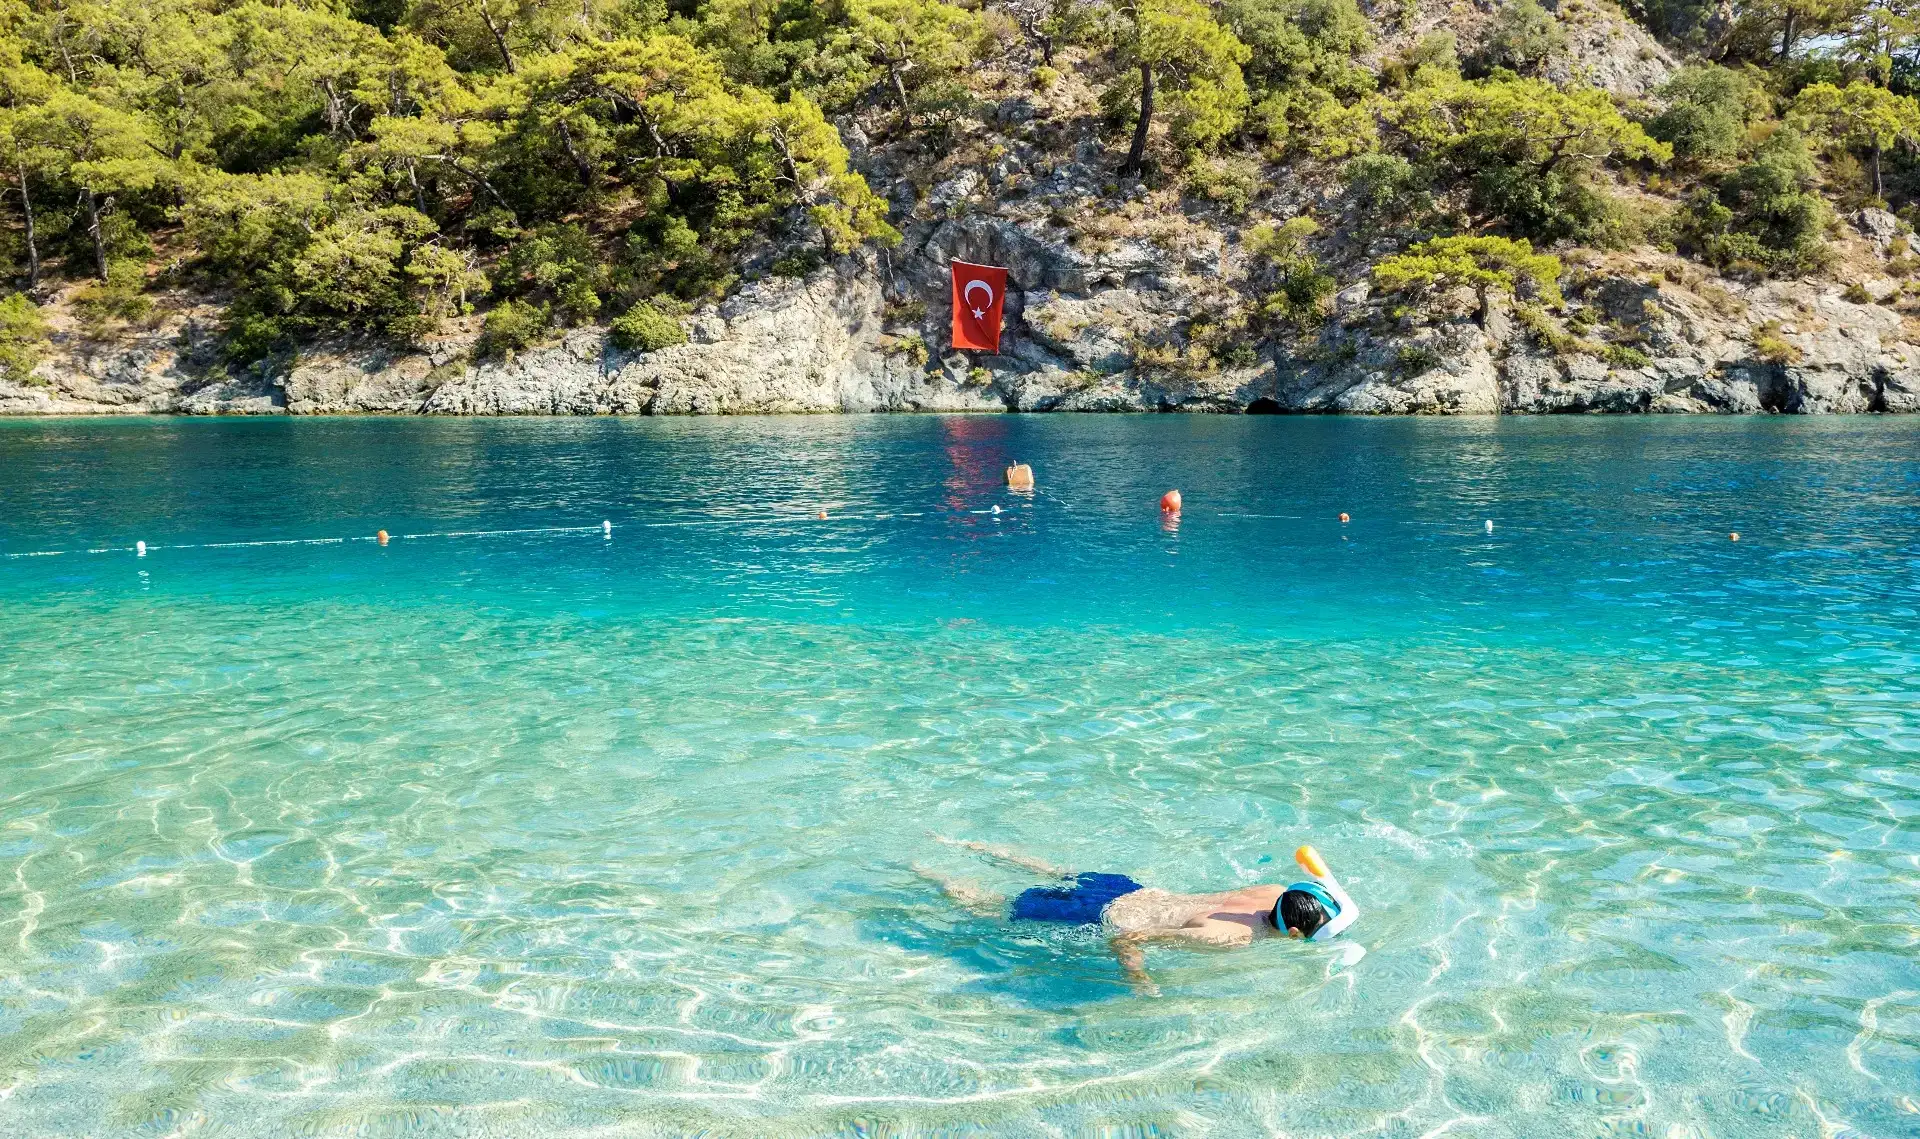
(1343, 516)
(382, 535)
(1020, 477)
(1734, 537)
(1170, 502)
(822, 514)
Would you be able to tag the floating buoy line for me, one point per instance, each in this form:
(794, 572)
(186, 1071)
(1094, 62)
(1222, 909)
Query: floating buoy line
(380, 537)
(1170, 505)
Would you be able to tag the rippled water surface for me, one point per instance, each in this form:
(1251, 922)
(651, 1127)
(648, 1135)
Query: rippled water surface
(557, 834)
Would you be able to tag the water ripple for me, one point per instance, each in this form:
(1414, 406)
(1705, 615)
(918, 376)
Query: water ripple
(584, 838)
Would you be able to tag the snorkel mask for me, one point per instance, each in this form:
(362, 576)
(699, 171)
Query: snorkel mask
(1326, 890)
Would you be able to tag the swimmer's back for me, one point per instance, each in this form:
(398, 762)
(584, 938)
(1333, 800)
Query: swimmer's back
(1150, 909)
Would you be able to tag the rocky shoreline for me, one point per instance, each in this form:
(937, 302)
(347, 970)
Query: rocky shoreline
(854, 337)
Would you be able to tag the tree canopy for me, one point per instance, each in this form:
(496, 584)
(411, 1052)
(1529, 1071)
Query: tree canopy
(1859, 116)
(335, 174)
(379, 166)
(1487, 265)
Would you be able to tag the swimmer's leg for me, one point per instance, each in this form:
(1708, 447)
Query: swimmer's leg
(1008, 857)
(972, 897)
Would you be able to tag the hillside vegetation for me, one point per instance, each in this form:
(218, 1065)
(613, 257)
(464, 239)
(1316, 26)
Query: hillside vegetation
(381, 167)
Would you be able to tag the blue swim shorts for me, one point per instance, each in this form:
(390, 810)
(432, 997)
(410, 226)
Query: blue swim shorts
(1079, 904)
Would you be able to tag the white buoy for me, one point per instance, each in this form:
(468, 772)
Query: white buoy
(996, 510)
(139, 549)
(606, 528)
(1489, 525)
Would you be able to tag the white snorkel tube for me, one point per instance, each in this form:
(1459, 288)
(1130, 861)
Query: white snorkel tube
(1344, 910)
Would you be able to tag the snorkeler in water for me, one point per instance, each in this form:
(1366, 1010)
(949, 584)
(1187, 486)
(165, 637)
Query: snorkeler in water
(1134, 916)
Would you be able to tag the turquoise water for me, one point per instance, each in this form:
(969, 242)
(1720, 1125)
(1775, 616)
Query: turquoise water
(556, 834)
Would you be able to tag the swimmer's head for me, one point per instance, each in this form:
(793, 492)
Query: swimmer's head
(1301, 910)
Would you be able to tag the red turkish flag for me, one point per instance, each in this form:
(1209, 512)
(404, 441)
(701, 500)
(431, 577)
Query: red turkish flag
(979, 292)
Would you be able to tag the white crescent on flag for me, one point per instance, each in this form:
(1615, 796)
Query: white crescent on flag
(979, 313)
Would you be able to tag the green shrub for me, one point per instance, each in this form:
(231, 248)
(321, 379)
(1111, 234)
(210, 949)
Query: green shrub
(646, 329)
(1763, 217)
(1524, 37)
(1625, 356)
(302, 261)
(1239, 354)
(1708, 109)
(1303, 295)
(512, 325)
(23, 337)
(560, 264)
(1527, 153)
(904, 312)
(1331, 130)
(1487, 264)
(913, 346)
(1771, 347)
(1554, 206)
(1435, 56)
(1281, 257)
(1389, 190)
(1545, 332)
(1230, 183)
(121, 297)
(798, 264)
(1414, 359)
(1276, 242)
(1298, 44)
(1848, 183)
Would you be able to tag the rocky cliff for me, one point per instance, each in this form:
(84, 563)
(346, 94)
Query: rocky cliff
(1125, 295)
(863, 335)
(1117, 292)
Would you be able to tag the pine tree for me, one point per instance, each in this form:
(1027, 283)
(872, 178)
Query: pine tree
(1175, 48)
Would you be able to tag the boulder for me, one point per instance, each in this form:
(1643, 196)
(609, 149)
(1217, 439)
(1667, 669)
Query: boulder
(1879, 228)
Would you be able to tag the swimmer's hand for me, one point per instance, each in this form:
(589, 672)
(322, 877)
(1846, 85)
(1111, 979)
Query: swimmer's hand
(1133, 962)
(1133, 959)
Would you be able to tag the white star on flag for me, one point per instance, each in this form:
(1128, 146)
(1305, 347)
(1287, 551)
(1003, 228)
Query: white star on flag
(979, 314)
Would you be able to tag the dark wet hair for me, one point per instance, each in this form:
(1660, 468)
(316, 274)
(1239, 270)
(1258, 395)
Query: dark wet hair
(1297, 909)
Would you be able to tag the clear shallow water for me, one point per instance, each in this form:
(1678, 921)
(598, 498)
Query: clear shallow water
(546, 834)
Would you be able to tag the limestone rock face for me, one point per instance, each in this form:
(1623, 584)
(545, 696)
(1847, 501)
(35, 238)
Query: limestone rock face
(1114, 325)
(1122, 295)
(781, 346)
(341, 379)
(1091, 332)
(1879, 228)
(1618, 56)
(567, 378)
(170, 367)
(778, 345)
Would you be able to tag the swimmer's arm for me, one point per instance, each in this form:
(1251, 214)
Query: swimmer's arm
(1133, 959)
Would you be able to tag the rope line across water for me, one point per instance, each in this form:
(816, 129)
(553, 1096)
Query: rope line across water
(600, 527)
(597, 528)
